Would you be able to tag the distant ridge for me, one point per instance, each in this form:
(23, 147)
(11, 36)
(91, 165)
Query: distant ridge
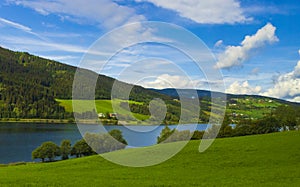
(172, 92)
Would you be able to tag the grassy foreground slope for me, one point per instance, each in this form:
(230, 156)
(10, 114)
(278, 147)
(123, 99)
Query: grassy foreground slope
(262, 160)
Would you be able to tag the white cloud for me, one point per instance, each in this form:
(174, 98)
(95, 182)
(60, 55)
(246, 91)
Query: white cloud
(15, 25)
(296, 99)
(105, 13)
(60, 58)
(203, 12)
(219, 43)
(18, 26)
(39, 45)
(287, 85)
(170, 81)
(236, 55)
(296, 73)
(243, 88)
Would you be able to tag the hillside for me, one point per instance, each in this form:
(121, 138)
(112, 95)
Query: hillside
(29, 86)
(261, 160)
(36, 88)
(237, 106)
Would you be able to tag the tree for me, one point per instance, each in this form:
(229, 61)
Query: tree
(164, 134)
(267, 125)
(37, 153)
(226, 129)
(213, 131)
(197, 135)
(168, 135)
(184, 135)
(47, 150)
(65, 149)
(81, 148)
(117, 134)
(106, 142)
(287, 116)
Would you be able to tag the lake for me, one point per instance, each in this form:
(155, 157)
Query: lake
(18, 140)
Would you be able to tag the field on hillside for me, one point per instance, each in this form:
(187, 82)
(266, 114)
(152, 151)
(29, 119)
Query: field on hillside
(261, 160)
(102, 106)
(237, 108)
(250, 107)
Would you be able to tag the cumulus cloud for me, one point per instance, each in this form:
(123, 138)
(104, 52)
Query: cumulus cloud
(106, 13)
(236, 55)
(287, 85)
(211, 12)
(170, 81)
(243, 88)
(296, 99)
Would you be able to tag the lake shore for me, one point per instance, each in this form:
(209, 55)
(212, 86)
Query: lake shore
(57, 121)
(48, 121)
(105, 122)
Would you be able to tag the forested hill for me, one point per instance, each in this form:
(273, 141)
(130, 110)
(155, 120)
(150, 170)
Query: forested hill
(29, 86)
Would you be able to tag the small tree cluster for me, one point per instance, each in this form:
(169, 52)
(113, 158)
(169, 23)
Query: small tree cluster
(102, 143)
(91, 144)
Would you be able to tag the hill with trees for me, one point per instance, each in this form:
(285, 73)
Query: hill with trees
(32, 87)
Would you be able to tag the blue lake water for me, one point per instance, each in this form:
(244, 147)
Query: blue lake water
(18, 140)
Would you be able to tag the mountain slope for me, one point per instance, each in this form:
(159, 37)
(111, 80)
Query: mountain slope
(29, 86)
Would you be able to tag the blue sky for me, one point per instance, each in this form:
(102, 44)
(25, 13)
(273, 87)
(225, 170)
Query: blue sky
(256, 43)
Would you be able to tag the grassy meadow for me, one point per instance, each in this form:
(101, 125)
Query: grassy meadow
(255, 108)
(260, 160)
(102, 106)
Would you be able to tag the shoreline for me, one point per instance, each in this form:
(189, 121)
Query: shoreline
(70, 121)
(48, 121)
(90, 122)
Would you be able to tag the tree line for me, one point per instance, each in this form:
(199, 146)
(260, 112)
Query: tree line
(281, 119)
(91, 144)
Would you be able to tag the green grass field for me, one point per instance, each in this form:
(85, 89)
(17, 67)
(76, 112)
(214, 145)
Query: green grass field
(255, 108)
(247, 108)
(102, 106)
(261, 160)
